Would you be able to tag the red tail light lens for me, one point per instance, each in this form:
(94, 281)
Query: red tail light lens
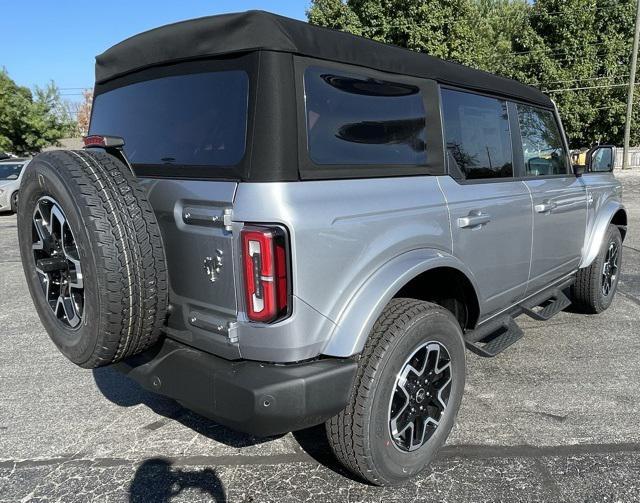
(103, 141)
(94, 141)
(266, 281)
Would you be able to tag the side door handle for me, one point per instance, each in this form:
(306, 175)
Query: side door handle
(545, 207)
(474, 220)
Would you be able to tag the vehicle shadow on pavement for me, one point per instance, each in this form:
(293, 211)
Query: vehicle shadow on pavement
(124, 392)
(314, 442)
(158, 480)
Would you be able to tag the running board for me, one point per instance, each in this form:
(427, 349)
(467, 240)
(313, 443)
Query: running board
(547, 309)
(496, 335)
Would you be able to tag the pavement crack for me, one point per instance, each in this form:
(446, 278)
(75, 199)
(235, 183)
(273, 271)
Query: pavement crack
(464, 451)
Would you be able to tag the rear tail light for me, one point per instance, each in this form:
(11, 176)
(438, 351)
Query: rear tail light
(103, 141)
(266, 273)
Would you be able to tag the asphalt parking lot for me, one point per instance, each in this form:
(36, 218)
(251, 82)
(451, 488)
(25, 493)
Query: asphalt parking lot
(555, 418)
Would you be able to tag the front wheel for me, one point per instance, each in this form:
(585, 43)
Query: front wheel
(406, 395)
(596, 285)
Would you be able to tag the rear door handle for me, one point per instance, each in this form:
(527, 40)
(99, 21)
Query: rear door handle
(474, 220)
(545, 207)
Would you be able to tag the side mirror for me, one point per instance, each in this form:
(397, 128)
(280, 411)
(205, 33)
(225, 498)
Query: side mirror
(12, 177)
(601, 159)
(578, 169)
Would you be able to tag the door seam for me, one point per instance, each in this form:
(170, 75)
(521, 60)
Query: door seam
(533, 224)
(446, 203)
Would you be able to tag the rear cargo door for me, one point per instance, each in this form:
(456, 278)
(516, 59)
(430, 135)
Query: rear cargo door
(194, 219)
(199, 248)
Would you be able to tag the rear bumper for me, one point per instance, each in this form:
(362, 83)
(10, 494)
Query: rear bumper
(258, 398)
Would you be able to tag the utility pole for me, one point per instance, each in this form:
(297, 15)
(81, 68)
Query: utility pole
(632, 83)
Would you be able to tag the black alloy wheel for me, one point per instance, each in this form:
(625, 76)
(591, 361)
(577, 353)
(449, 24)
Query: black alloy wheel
(58, 262)
(420, 396)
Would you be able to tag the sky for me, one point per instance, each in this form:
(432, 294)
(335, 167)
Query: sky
(43, 40)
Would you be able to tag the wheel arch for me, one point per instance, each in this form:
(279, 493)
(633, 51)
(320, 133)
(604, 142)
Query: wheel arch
(417, 274)
(612, 212)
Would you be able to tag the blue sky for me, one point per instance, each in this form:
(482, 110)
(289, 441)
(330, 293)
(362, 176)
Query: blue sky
(42, 40)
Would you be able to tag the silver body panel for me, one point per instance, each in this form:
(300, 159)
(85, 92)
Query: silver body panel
(559, 226)
(501, 272)
(355, 243)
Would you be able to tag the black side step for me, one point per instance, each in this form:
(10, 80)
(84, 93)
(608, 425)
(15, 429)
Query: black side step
(494, 337)
(548, 308)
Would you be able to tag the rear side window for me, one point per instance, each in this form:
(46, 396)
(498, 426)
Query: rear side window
(197, 119)
(357, 120)
(477, 134)
(542, 145)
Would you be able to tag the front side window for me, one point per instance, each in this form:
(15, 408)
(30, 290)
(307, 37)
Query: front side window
(542, 145)
(197, 119)
(477, 135)
(357, 120)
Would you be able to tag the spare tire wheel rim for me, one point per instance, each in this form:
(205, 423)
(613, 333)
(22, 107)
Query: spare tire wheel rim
(58, 262)
(610, 269)
(420, 396)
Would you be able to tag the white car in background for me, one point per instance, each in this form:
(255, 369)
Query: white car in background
(11, 170)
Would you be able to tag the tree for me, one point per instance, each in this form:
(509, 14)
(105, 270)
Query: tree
(449, 30)
(29, 123)
(84, 111)
(560, 46)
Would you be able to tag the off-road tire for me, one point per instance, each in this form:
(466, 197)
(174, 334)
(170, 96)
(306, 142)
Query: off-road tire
(359, 435)
(119, 246)
(14, 202)
(586, 292)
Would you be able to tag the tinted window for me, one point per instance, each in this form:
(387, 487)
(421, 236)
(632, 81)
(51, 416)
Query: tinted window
(10, 171)
(477, 134)
(542, 146)
(358, 120)
(196, 119)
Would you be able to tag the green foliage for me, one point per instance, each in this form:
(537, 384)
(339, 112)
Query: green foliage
(556, 45)
(28, 123)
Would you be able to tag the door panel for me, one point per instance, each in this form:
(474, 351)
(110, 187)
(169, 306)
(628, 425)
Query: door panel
(491, 232)
(559, 223)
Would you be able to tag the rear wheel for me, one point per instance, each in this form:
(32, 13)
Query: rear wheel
(407, 393)
(596, 285)
(14, 202)
(92, 256)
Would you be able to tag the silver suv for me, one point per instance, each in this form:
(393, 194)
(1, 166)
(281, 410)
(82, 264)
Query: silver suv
(280, 225)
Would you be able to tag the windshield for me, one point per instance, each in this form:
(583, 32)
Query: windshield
(10, 171)
(197, 119)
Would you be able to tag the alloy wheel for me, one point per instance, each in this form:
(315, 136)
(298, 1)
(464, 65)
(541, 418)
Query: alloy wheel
(58, 262)
(610, 268)
(420, 396)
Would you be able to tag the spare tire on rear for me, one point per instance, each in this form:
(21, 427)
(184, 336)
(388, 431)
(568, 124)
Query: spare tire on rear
(92, 255)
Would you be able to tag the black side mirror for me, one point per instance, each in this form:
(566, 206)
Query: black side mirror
(601, 159)
(578, 169)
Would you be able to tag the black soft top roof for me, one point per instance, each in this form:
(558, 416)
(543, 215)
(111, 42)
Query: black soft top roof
(258, 30)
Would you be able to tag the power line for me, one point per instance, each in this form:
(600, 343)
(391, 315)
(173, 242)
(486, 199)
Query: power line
(597, 9)
(588, 87)
(557, 49)
(585, 79)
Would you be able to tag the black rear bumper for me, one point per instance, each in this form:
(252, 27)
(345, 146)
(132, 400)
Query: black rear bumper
(262, 399)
